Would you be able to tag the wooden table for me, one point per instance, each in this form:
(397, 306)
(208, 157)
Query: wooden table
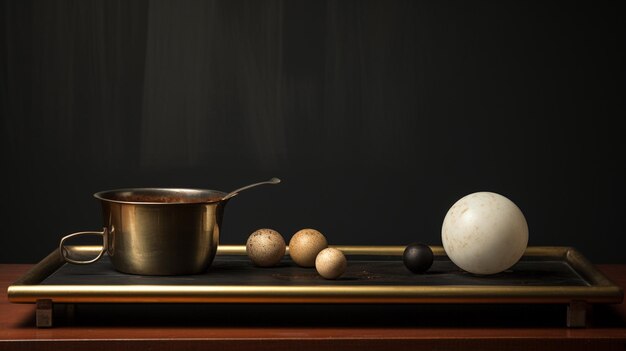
(365, 327)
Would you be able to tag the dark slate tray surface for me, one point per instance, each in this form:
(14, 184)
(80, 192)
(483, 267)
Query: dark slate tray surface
(362, 271)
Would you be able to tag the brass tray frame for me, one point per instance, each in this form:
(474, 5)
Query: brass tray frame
(578, 298)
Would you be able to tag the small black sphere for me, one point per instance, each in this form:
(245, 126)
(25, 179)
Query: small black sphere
(418, 257)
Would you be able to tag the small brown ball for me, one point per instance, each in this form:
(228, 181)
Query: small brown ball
(331, 263)
(265, 247)
(305, 245)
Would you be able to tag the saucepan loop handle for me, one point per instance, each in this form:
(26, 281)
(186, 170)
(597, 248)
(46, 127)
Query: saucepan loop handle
(64, 252)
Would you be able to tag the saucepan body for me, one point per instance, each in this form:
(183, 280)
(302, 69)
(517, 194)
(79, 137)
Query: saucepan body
(158, 231)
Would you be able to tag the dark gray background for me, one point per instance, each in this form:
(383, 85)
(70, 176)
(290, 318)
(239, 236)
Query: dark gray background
(377, 115)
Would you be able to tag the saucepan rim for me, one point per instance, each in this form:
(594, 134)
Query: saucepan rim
(214, 195)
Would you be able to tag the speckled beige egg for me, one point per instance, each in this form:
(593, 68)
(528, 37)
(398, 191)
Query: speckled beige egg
(265, 247)
(331, 263)
(305, 245)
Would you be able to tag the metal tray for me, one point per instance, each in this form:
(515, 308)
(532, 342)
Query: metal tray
(375, 274)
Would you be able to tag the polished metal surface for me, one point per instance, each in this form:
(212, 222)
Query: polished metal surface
(163, 239)
(66, 256)
(159, 231)
(237, 191)
(600, 290)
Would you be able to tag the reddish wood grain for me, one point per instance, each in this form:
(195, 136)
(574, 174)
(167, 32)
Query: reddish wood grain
(17, 332)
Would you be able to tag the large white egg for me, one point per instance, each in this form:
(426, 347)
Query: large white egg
(484, 233)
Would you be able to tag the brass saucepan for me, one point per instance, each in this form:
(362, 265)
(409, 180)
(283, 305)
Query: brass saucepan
(160, 231)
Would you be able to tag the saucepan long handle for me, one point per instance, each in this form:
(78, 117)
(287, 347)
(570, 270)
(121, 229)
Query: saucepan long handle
(64, 253)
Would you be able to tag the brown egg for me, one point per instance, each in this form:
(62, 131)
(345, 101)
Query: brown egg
(305, 245)
(265, 247)
(331, 263)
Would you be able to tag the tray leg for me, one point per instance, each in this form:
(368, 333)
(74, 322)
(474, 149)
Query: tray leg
(43, 313)
(577, 314)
